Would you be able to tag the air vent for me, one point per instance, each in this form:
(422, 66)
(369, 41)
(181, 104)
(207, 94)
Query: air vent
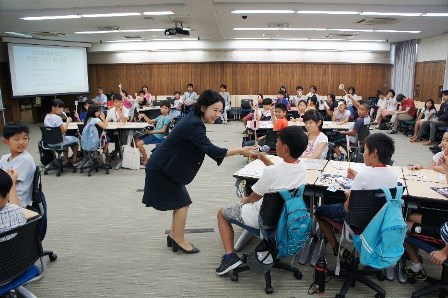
(133, 37)
(48, 34)
(278, 25)
(108, 28)
(378, 21)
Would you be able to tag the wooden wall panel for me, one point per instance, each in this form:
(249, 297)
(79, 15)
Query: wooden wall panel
(429, 76)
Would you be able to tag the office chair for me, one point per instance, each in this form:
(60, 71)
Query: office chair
(435, 285)
(358, 148)
(270, 211)
(90, 161)
(52, 139)
(246, 107)
(39, 204)
(20, 248)
(363, 206)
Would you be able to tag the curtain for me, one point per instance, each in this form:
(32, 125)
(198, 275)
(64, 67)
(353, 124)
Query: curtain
(403, 70)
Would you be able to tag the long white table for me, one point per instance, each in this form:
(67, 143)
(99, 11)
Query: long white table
(115, 125)
(326, 125)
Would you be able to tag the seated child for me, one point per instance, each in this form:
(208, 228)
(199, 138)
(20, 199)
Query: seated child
(16, 137)
(289, 174)
(264, 112)
(341, 114)
(11, 214)
(279, 121)
(340, 138)
(250, 116)
(317, 147)
(436, 161)
(427, 220)
(378, 151)
(54, 120)
(156, 135)
(428, 114)
(301, 109)
(96, 117)
(176, 112)
(87, 103)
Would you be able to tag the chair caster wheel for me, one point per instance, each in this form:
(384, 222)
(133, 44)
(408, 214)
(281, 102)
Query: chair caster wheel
(379, 295)
(53, 257)
(297, 274)
(269, 290)
(58, 174)
(234, 276)
(381, 276)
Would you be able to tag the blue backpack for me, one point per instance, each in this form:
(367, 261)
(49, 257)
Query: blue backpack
(380, 245)
(294, 225)
(90, 140)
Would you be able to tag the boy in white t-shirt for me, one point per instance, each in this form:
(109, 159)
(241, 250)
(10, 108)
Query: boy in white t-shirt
(378, 151)
(54, 120)
(436, 162)
(16, 137)
(289, 174)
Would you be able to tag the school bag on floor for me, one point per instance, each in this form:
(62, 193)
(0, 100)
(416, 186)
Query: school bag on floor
(380, 245)
(90, 140)
(294, 225)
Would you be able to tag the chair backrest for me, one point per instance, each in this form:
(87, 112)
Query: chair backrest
(271, 209)
(20, 251)
(39, 202)
(364, 204)
(156, 103)
(271, 139)
(245, 104)
(51, 135)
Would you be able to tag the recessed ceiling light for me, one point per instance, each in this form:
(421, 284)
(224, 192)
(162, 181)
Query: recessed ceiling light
(326, 12)
(435, 14)
(157, 13)
(404, 14)
(19, 34)
(107, 15)
(267, 11)
(72, 16)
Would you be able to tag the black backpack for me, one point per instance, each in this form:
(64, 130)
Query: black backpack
(46, 156)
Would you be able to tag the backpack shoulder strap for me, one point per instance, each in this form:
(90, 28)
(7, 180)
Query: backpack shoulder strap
(398, 194)
(297, 193)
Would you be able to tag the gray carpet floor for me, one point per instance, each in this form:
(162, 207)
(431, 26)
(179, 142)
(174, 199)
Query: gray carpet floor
(109, 245)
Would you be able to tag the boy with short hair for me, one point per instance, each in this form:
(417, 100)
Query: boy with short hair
(54, 120)
(289, 174)
(16, 137)
(378, 151)
(156, 135)
(11, 214)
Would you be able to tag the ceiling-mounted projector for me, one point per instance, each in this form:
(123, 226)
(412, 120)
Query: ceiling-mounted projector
(177, 31)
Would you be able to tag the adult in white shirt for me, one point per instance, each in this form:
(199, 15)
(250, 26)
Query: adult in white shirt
(380, 104)
(351, 99)
(389, 107)
(101, 98)
(190, 98)
(54, 120)
(289, 174)
(118, 113)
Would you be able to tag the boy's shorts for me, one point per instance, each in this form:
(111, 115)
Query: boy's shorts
(233, 212)
(69, 140)
(334, 212)
(151, 139)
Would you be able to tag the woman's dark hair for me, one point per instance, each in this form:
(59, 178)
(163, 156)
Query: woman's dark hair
(332, 96)
(261, 95)
(267, 101)
(351, 88)
(223, 86)
(5, 184)
(429, 100)
(313, 99)
(57, 103)
(13, 128)
(91, 112)
(295, 139)
(315, 116)
(283, 88)
(391, 91)
(207, 98)
(383, 144)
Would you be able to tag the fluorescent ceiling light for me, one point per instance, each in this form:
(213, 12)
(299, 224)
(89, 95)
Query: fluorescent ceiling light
(157, 13)
(122, 30)
(322, 29)
(326, 12)
(304, 29)
(72, 16)
(173, 39)
(373, 13)
(125, 40)
(352, 30)
(257, 29)
(396, 31)
(249, 11)
(19, 34)
(435, 14)
(107, 15)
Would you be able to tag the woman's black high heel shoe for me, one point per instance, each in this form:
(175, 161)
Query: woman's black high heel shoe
(169, 241)
(176, 247)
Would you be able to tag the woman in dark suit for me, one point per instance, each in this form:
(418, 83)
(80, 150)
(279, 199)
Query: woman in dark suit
(176, 162)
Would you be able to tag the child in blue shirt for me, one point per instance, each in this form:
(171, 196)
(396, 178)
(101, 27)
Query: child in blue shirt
(156, 135)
